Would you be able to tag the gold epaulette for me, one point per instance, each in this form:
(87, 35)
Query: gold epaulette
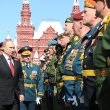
(106, 21)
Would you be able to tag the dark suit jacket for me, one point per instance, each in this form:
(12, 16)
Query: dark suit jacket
(10, 86)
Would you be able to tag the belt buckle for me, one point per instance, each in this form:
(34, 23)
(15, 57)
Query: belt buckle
(78, 76)
(30, 85)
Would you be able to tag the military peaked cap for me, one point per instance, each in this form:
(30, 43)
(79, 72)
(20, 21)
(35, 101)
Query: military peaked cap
(69, 20)
(25, 51)
(89, 3)
(52, 43)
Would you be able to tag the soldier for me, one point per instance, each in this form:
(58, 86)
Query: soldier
(49, 73)
(91, 20)
(43, 67)
(100, 56)
(55, 45)
(72, 73)
(46, 53)
(61, 51)
(68, 26)
(68, 29)
(32, 80)
(49, 76)
(78, 26)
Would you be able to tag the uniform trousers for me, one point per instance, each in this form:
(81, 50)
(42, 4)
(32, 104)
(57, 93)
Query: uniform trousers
(104, 96)
(90, 93)
(28, 105)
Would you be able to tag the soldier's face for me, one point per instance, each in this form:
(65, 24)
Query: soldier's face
(65, 40)
(88, 15)
(100, 6)
(77, 26)
(68, 28)
(27, 59)
(51, 50)
(59, 40)
(47, 54)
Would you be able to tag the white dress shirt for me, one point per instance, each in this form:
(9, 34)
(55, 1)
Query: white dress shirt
(7, 59)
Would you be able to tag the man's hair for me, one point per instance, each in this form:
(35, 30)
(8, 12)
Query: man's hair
(8, 40)
(64, 34)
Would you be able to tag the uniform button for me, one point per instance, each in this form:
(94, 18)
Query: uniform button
(85, 56)
(85, 66)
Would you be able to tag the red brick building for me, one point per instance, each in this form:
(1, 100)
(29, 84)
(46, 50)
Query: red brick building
(25, 32)
(46, 31)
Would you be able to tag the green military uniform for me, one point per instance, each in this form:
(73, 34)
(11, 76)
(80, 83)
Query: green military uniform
(49, 74)
(43, 104)
(101, 54)
(59, 72)
(59, 84)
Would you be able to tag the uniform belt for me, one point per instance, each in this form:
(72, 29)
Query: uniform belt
(60, 84)
(101, 72)
(88, 73)
(75, 77)
(30, 85)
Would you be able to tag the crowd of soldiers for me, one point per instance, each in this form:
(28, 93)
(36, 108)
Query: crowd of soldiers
(73, 73)
(76, 62)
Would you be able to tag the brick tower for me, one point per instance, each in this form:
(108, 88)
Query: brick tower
(25, 29)
(76, 7)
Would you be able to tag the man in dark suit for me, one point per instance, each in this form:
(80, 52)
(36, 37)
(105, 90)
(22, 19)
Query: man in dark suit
(1, 43)
(11, 78)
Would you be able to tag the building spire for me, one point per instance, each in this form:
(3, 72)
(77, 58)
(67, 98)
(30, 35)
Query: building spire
(76, 7)
(76, 2)
(8, 35)
(25, 1)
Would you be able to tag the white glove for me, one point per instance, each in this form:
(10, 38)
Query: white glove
(63, 98)
(74, 100)
(38, 100)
